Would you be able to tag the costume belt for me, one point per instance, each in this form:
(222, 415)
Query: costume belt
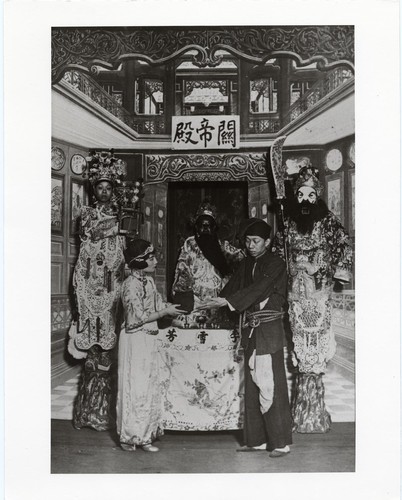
(151, 332)
(254, 319)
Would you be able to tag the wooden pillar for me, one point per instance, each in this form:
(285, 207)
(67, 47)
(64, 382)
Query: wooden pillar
(129, 86)
(284, 89)
(170, 95)
(244, 95)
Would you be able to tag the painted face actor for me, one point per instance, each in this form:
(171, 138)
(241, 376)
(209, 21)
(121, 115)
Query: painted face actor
(258, 290)
(204, 263)
(319, 253)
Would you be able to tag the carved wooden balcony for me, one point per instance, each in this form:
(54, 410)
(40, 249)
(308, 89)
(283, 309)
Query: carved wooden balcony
(331, 81)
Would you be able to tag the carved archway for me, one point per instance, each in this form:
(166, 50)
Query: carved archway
(86, 48)
(205, 167)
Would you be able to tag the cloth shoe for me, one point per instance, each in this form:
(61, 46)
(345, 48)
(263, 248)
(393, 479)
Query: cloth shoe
(150, 447)
(261, 447)
(280, 452)
(127, 447)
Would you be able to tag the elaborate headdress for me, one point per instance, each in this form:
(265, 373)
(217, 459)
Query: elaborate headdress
(137, 253)
(206, 209)
(104, 166)
(308, 176)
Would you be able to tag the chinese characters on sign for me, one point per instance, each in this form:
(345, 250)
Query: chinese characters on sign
(205, 132)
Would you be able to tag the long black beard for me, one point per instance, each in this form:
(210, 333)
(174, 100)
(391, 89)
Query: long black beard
(211, 249)
(305, 214)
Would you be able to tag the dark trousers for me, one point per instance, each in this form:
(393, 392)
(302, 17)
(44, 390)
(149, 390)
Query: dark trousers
(275, 426)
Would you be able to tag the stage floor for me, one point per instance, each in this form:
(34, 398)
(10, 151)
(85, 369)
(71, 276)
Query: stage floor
(90, 452)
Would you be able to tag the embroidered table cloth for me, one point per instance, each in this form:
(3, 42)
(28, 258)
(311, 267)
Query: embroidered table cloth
(201, 379)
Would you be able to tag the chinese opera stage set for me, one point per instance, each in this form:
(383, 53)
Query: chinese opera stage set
(201, 368)
(194, 117)
(175, 184)
(202, 379)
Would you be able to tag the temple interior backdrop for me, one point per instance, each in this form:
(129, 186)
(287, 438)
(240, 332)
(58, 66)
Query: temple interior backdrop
(128, 89)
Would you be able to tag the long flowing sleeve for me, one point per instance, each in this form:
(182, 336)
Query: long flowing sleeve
(340, 249)
(160, 303)
(271, 280)
(140, 299)
(132, 297)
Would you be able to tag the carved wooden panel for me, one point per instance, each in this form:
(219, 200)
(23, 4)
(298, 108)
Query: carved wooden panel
(61, 312)
(57, 277)
(57, 248)
(73, 249)
(205, 167)
(83, 48)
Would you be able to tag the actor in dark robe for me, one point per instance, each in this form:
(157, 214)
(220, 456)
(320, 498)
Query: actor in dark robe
(258, 290)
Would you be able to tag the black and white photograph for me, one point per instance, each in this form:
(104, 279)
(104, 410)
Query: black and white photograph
(214, 113)
(206, 290)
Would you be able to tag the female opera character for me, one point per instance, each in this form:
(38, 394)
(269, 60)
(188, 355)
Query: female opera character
(139, 404)
(97, 281)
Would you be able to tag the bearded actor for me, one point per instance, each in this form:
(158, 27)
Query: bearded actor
(204, 265)
(319, 254)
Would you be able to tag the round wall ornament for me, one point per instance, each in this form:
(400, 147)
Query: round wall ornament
(58, 158)
(77, 164)
(334, 160)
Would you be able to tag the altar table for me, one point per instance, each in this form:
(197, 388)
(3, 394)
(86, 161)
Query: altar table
(201, 378)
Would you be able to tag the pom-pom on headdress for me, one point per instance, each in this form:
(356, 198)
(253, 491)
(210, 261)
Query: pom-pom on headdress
(104, 166)
(308, 176)
(206, 209)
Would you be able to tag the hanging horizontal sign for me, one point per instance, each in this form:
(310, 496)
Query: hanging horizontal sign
(206, 132)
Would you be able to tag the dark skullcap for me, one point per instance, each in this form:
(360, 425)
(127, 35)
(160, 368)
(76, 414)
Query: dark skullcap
(255, 227)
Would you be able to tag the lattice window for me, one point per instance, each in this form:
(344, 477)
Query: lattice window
(201, 94)
(263, 95)
(60, 313)
(221, 85)
(152, 126)
(297, 89)
(115, 91)
(263, 126)
(343, 309)
(149, 96)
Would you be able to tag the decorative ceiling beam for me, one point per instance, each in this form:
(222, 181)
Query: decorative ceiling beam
(205, 167)
(86, 48)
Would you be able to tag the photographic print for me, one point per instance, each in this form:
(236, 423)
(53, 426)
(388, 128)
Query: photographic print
(217, 131)
(225, 131)
(219, 338)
